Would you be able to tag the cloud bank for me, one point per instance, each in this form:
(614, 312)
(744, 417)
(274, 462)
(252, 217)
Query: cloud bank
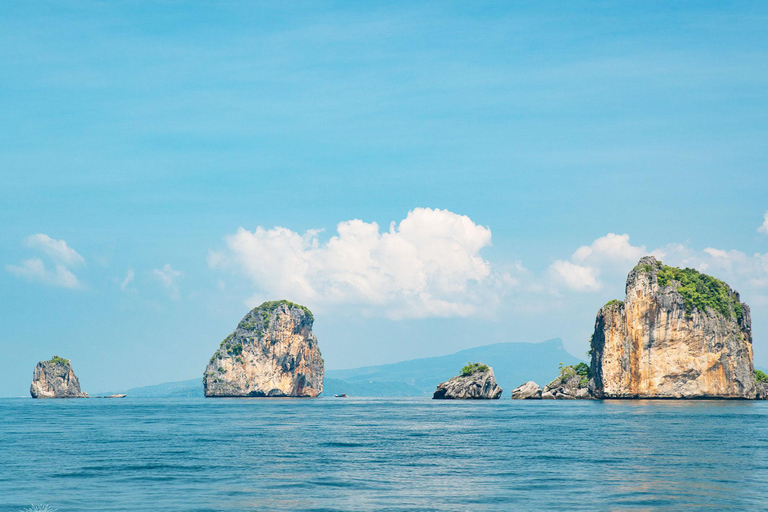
(606, 254)
(427, 265)
(610, 257)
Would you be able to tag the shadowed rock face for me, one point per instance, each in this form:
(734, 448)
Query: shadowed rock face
(55, 379)
(479, 385)
(671, 339)
(272, 352)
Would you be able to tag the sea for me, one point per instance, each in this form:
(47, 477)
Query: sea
(356, 454)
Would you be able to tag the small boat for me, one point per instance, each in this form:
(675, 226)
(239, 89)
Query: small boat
(117, 395)
(343, 395)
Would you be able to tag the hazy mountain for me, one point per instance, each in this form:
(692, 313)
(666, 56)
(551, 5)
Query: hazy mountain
(513, 364)
(184, 388)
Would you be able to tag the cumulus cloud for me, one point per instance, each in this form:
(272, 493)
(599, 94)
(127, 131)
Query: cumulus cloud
(576, 277)
(609, 248)
(607, 253)
(168, 277)
(57, 250)
(764, 227)
(35, 270)
(59, 269)
(427, 265)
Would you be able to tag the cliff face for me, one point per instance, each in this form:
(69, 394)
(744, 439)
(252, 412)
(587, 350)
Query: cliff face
(478, 383)
(678, 334)
(55, 379)
(273, 352)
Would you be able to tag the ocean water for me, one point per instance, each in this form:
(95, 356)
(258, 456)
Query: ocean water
(381, 454)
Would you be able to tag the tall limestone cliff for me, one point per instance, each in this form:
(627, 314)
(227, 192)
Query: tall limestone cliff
(273, 352)
(678, 334)
(55, 379)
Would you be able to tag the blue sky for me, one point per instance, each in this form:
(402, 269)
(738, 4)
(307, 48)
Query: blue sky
(143, 135)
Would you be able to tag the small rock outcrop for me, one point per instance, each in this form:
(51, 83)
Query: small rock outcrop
(572, 383)
(762, 391)
(761, 385)
(476, 381)
(55, 379)
(272, 352)
(527, 391)
(677, 334)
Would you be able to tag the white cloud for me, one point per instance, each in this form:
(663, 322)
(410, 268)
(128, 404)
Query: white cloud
(57, 250)
(611, 247)
(576, 277)
(35, 270)
(427, 265)
(738, 269)
(589, 262)
(58, 272)
(129, 276)
(169, 276)
(609, 258)
(764, 227)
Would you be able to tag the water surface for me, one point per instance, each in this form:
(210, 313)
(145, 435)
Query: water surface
(381, 454)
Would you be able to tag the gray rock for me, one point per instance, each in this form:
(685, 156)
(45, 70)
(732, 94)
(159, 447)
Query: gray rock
(478, 385)
(569, 385)
(762, 391)
(55, 379)
(529, 390)
(272, 352)
(546, 395)
(583, 393)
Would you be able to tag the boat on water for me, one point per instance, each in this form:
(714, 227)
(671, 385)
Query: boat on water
(116, 395)
(343, 395)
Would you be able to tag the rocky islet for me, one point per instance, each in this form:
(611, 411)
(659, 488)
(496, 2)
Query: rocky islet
(271, 353)
(55, 379)
(476, 381)
(678, 333)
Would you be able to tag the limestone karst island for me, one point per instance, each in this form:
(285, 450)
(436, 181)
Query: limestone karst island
(271, 353)
(55, 379)
(678, 333)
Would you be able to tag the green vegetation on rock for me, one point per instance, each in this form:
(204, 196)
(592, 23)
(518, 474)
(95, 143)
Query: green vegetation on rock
(270, 306)
(701, 291)
(761, 376)
(235, 350)
(566, 372)
(472, 368)
(613, 302)
(58, 360)
(645, 267)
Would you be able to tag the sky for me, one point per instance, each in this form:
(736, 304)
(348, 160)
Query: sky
(426, 177)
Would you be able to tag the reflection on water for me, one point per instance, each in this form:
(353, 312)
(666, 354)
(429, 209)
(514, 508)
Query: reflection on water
(378, 454)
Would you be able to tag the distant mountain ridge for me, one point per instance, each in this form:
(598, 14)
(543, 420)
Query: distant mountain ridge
(513, 364)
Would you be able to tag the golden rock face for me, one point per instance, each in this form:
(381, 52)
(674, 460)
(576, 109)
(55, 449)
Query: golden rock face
(272, 352)
(653, 346)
